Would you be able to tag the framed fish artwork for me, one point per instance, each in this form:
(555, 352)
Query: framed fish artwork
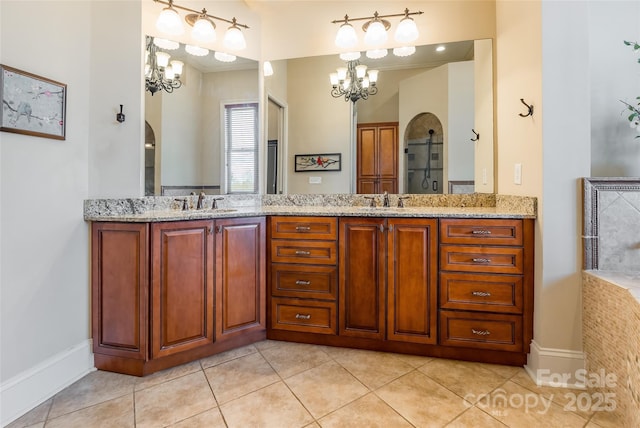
(31, 104)
(318, 162)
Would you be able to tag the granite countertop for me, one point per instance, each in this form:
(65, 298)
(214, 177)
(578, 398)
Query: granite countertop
(162, 208)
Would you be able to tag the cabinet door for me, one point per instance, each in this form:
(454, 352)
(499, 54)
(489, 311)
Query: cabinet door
(182, 286)
(119, 288)
(412, 280)
(388, 152)
(362, 298)
(367, 152)
(367, 186)
(240, 277)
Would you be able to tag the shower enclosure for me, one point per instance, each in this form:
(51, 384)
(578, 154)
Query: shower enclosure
(425, 155)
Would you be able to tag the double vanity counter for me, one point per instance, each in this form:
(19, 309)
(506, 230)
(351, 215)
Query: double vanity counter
(445, 276)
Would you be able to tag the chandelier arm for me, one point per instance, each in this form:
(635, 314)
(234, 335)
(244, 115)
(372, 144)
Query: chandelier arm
(172, 4)
(338, 21)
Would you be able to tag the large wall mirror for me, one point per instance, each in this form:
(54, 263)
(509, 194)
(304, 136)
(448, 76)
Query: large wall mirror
(449, 92)
(184, 147)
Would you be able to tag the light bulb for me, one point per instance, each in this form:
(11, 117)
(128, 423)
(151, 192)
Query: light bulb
(361, 71)
(404, 51)
(407, 31)
(169, 22)
(346, 36)
(234, 39)
(376, 34)
(162, 59)
(267, 68)
(376, 53)
(373, 76)
(177, 67)
(204, 30)
(168, 73)
(342, 73)
(333, 77)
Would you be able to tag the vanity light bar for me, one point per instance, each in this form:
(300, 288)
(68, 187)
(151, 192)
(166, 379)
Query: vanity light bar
(346, 19)
(232, 21)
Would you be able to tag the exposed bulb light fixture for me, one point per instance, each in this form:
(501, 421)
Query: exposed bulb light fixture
(169, 22)
(160, 72)
(376, 29)
(353, 82)
(346, 37)
(407, 31)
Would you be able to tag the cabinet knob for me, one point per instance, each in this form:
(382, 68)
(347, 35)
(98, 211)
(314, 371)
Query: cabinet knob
(303, 316)
(481, 293)
(303, 282)
(480, 332)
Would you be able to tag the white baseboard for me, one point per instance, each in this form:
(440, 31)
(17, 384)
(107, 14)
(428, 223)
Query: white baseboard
(32, 387)
(555, 367)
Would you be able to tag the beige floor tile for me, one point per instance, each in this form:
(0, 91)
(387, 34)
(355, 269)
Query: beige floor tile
(271, 407)
(506, 372)
(325, 388)
(223, 357)
(366, 412)
(469, 380)
(289, 359)
(564, 397)
(241, 376)
(374, 369)
(96, 387)
(117, 413)
(33, 417)
(313, 425)
(606, 419)
(173, 401)
(266, 344)
(166, 375)
(421, 400)
(517, 406)
(414, 361)
(209, 419)
(474, 418)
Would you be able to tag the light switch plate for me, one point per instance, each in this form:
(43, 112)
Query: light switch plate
(517, 173)
(315, 180)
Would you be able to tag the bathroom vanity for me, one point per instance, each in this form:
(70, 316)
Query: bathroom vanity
(448, 276)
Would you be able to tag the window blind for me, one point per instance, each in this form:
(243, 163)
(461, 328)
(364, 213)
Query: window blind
(241, 147)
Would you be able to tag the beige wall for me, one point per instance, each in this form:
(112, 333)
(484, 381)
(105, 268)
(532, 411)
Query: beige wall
(484, 115)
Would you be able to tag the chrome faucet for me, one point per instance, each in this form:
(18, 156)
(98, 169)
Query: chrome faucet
(214, 204)
(385, 199)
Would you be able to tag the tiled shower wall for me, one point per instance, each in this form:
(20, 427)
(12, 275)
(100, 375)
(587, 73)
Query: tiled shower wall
(611, 292)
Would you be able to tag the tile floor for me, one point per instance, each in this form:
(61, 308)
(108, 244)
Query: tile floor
(280, 384)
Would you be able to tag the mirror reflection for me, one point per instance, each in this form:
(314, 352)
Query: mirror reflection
(448, 92)
(186, 129)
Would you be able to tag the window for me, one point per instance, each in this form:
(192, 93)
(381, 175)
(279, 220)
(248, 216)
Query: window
(241, 147)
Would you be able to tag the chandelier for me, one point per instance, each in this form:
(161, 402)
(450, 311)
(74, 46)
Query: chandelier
(353, 82)
(159, 73)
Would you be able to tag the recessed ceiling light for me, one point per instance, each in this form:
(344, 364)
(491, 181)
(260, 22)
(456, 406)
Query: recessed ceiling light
(440, 48)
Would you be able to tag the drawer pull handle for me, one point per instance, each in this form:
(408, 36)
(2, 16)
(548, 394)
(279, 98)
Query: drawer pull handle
(302, 282)
(481, 232)
(303, 228)
(480, 332)
(480, 260)
(302, 253)
(481, 293)
(303, 317)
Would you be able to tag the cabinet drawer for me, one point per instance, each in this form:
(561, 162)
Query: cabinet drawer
(304, 228)
(313, 282)
(303, 315)
(486, 331)
(491, 293)
(481, 232)
(468, 258)
(310, 252)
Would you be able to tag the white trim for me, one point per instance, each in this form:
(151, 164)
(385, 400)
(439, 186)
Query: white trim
(36, 385)
(554, 367)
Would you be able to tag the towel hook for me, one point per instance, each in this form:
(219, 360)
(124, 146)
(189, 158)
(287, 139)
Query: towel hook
(477, 135)
(530, 107)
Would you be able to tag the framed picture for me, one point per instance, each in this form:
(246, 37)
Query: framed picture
(318, 162)
(32, 105)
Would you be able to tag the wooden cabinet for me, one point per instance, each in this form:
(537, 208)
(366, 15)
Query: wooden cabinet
(377, 158)
(303, 274)
(486, 284)
(240, 277)
(181, 286)
(388, 279)
(171, 292)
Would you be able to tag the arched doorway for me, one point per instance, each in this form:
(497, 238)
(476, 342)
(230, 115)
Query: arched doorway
(424, 148)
